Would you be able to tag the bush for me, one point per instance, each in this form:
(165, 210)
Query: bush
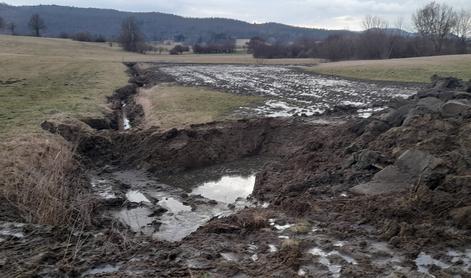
(179, 49)
(64, 35)
(83, 37)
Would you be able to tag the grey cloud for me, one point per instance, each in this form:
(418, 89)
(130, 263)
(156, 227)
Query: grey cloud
(333, 14)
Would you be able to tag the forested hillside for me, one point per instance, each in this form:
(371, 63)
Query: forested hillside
(156, 26)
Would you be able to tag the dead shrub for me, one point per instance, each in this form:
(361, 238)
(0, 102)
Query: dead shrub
(252, 220)
(39, 178)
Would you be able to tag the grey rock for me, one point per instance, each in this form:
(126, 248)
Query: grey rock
(409, 167)
(431, 104)
(442, 95)
(456, 108)
(389, 180)
(415, 162)
(397, 116)
(462, 95)
(439, 82)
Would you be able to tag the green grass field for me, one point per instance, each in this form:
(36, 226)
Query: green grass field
(418, 70)
(169, 106)
(42, 77)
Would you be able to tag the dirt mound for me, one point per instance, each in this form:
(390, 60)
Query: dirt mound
(419, 148)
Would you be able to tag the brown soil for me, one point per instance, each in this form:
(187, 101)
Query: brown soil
(313, 168)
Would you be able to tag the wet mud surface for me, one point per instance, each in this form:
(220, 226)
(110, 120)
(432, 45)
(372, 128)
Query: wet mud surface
(289, 91)
(386, 196)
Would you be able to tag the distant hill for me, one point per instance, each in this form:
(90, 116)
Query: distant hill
(156, 26)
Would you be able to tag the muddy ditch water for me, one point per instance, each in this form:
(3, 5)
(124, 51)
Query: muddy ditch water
(170, 207)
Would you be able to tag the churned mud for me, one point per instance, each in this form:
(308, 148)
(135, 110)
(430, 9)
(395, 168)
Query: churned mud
(385, 196)
(288, 91)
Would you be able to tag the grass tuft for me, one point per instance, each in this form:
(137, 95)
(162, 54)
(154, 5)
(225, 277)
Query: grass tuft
(38, 178)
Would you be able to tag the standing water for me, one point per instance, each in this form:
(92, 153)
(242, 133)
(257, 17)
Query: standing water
(126, 122)
(172, 207)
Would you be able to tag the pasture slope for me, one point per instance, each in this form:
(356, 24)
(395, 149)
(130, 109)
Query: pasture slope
(42, 77)
(415, 70)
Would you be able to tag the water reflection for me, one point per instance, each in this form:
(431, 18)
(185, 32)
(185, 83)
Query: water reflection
(227, 189)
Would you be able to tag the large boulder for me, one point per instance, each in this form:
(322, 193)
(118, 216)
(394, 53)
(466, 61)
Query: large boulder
(410, 167)
(397, 116)
(430, 104)
(390, 179)
(439, 82)
(456, 108)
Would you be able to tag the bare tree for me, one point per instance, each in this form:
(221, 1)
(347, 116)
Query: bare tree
(12, 28)
(435, 21)
(374, 41)
(36, 24)
(463, 25)
(374, 22)
(2, 23)
(131, 38)
(395, 36)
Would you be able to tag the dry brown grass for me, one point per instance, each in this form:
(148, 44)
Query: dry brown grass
(252, 220)
(418, 69)
(38, 178)
(169, 106)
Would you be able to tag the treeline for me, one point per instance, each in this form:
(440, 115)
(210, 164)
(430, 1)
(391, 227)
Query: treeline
(439, 30)
(35, 24)
(84, 37)
(8, 26)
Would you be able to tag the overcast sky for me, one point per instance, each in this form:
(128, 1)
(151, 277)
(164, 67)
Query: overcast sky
(329, 14)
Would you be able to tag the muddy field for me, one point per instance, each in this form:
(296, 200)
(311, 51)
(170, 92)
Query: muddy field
(386, 196)
(289, 91)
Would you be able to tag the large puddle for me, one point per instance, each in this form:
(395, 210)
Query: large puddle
(172, 207)
(227, 189)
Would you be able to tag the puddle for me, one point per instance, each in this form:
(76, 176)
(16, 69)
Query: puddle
(14, 230)
(102, 188)
(173, 205)
(230, 257)
(135, 196)
(190, 199)
(101, 270)
(272, 248)
(323, 259)
(227, 189)
(463, 257)
(137, 219)
(176, 227)
(126, 122)
(282, 228)
(424, 261)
